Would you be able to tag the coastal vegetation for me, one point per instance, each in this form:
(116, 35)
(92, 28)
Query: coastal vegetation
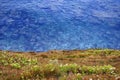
(92, 64)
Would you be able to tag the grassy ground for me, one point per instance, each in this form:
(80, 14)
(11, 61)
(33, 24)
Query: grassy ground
(60, 65)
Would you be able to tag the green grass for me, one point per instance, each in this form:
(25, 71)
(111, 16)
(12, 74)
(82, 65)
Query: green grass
(58, 71)
(16, 60)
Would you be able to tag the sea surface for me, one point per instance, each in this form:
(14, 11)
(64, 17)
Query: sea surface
(42, 25)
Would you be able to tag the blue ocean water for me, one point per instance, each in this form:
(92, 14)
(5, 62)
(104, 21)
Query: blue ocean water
(42, 25)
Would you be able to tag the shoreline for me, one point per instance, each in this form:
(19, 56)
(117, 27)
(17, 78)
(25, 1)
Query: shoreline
(57, 50)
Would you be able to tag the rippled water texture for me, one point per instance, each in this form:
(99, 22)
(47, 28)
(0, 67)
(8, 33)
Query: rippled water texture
(41, 25)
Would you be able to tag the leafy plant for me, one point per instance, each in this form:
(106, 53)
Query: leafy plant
(78, 76)
(69, 68)
(16, 65)
(16, 60)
